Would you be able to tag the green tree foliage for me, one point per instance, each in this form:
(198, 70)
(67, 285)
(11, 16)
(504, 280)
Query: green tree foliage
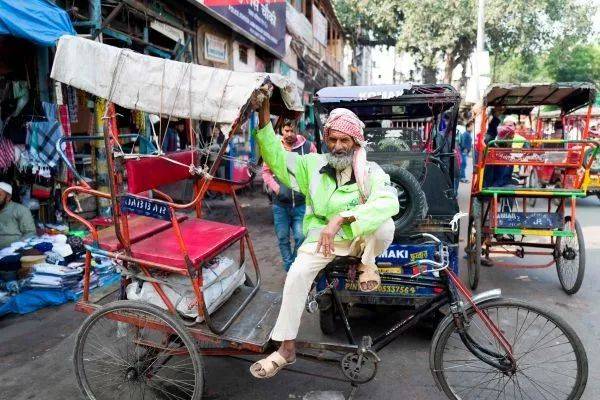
(370, 21)
(579, 63)
(435, 31)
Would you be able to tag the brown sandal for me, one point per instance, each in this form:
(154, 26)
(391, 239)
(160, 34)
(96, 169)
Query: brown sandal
(368, 273)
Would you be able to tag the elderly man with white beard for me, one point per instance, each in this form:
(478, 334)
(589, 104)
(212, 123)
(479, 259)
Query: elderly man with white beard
(349, 205)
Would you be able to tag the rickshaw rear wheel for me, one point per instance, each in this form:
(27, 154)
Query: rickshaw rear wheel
(474, 244)
(150, 354)
(570, 263)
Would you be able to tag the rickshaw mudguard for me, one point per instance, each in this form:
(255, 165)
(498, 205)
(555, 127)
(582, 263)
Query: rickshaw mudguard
(478, 299)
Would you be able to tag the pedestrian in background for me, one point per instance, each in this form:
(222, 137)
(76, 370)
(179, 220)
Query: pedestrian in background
(288, 204)
(465, 144)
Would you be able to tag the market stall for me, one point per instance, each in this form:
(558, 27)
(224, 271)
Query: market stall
(42, 266)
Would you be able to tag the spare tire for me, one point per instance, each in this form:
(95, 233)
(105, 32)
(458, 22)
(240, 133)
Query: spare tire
(413, 203)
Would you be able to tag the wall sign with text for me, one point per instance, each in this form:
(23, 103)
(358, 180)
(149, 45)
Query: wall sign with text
(262, 20)
(215, 48)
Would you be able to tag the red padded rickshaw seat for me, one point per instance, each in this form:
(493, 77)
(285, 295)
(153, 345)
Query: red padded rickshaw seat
(204, 240)
(151, 172)
(140, 228)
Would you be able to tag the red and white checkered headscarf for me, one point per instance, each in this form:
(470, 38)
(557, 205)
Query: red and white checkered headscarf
(345, 121)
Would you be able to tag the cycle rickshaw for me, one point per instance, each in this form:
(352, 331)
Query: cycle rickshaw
(574, 127)
(138, 350)
(503, 219)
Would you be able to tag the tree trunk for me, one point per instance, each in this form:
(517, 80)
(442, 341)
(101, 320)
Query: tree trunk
(429, 75)
(449, 66)
(353, 67)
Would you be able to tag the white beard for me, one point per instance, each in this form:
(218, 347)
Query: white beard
(340, 163)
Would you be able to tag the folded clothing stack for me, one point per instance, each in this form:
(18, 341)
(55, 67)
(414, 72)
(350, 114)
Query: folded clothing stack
(51, 276)
(103, 270)
(4, 297)
(103, 267)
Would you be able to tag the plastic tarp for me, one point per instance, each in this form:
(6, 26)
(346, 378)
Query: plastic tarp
(34, 299)
(140, 82)
(39, 21)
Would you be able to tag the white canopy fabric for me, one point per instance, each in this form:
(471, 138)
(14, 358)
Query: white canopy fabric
(159, 86)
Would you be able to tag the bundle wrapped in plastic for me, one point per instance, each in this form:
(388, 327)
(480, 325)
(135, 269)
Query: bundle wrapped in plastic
(220, 279)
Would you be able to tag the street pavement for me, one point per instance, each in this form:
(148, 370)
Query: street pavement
(35, 349)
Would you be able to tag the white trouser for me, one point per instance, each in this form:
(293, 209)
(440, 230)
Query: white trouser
(307, 265)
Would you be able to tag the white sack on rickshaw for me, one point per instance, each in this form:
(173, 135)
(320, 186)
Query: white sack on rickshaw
(219, 283)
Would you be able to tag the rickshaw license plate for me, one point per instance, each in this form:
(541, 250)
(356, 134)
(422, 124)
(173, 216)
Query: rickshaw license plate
(529, 220)
(393, 261)
(145, 207)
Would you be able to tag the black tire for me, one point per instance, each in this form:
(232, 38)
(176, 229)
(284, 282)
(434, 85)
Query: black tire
(413, 203)
(129, 368)
(327, 317)
(571, 271)
(474, 244)
(454, 372)
(532, 181)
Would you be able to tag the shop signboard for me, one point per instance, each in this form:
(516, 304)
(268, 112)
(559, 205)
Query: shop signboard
(215, 48)
(172, 33)
(263, 21)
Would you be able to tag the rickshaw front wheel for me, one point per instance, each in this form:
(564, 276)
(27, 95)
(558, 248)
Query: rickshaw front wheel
(130, 349)
(551, 362)
(570, 261)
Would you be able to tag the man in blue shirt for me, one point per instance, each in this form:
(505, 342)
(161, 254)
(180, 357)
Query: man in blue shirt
(465, 144)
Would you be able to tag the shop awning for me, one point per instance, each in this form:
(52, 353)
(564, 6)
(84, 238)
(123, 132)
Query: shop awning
(39, 21)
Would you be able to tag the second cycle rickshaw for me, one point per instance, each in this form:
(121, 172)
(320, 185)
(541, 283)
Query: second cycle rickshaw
(502, 218)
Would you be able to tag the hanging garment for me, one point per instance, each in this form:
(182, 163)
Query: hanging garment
(7, 154)
(43, 136)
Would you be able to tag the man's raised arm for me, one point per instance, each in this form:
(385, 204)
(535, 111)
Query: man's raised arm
(283, 164)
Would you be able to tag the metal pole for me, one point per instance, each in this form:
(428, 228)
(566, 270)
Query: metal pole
(479, 46)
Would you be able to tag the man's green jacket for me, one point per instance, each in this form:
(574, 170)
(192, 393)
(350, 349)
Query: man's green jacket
(311, 175)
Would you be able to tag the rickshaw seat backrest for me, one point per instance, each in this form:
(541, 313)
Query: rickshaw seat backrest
(148, 173)
(549, 157)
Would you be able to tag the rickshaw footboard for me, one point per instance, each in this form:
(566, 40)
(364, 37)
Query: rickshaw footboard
(251, 331)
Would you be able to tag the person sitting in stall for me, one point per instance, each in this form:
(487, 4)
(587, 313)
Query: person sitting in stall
(349, 205)
(16, 221)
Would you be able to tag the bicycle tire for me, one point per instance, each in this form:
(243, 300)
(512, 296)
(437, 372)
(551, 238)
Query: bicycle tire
(474, 245)
(571, 289)
(124, 306)
(532, 182)
(448, 327)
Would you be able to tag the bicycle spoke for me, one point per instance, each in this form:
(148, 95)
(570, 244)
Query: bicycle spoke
(136, 361)
(546, 358)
